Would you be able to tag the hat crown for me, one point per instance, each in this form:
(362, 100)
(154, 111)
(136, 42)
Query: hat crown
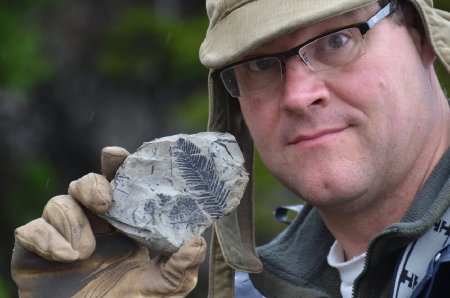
(218, 9)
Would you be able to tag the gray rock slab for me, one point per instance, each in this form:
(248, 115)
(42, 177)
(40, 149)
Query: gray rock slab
(175, 187)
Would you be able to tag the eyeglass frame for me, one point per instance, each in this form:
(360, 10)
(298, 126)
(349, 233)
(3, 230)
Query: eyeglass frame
(363, 28)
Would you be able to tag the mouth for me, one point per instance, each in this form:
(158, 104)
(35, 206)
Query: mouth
(316, 136)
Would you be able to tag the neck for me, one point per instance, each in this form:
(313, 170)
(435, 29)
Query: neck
(354, 229)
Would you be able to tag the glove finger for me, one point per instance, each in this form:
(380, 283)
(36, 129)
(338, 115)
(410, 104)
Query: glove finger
(40, 237)
(181, 269)
(111, 159)
(68, 218)
(93, 191)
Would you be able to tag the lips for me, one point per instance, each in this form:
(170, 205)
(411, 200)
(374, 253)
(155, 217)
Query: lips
(315, 135)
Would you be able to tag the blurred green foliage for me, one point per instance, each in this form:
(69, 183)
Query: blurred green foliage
(22, 62)
(191, 114)
(34, 182)
(3, 289)
(170, 48)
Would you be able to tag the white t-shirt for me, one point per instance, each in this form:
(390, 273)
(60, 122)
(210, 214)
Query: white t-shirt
(348, 270)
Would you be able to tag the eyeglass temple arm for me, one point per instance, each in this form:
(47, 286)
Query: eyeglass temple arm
(384, 12)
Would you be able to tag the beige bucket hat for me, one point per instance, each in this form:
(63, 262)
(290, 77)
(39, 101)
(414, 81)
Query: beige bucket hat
(236, 28)
(239, 26)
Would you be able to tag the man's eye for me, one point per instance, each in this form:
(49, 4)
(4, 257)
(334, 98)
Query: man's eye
(262, 64)
(337, 40)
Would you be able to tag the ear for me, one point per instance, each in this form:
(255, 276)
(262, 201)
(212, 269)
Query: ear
(414, 25)
(422, 44)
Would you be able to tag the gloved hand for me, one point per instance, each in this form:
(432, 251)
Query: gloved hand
(83, 256)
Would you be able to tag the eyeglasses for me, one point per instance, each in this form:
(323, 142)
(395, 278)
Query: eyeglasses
(330, 50)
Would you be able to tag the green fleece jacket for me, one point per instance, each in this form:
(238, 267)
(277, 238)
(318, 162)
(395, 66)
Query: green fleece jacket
(295, 262)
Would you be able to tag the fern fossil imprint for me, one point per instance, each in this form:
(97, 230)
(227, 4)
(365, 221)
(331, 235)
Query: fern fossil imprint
(174, 188)
(201, 178)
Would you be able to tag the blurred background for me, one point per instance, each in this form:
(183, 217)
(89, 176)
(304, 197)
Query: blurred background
(78, 75)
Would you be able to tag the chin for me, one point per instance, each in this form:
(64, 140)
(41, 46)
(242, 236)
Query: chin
(329, 192)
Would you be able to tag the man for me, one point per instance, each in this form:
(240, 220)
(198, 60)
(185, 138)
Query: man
(343, 104)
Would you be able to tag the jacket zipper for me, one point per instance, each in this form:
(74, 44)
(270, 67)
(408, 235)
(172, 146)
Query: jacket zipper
(357, 281)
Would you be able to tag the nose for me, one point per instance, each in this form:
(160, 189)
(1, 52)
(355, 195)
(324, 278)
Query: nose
(303, 88)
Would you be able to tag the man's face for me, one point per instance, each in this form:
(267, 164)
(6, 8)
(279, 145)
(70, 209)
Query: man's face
(346, 136)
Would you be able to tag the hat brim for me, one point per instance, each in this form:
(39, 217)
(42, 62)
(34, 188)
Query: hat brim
(261, 21)
(437, 26)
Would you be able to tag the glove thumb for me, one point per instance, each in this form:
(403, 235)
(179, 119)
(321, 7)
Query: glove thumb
(111, 159)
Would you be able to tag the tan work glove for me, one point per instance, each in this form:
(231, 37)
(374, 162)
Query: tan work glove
(83, 256)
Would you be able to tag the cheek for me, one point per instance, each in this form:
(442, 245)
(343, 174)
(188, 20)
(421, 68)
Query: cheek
(367, 89)
(389, 102)
(259, 117)
(261, 120)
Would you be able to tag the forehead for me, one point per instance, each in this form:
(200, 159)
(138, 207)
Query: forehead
(292, 39)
